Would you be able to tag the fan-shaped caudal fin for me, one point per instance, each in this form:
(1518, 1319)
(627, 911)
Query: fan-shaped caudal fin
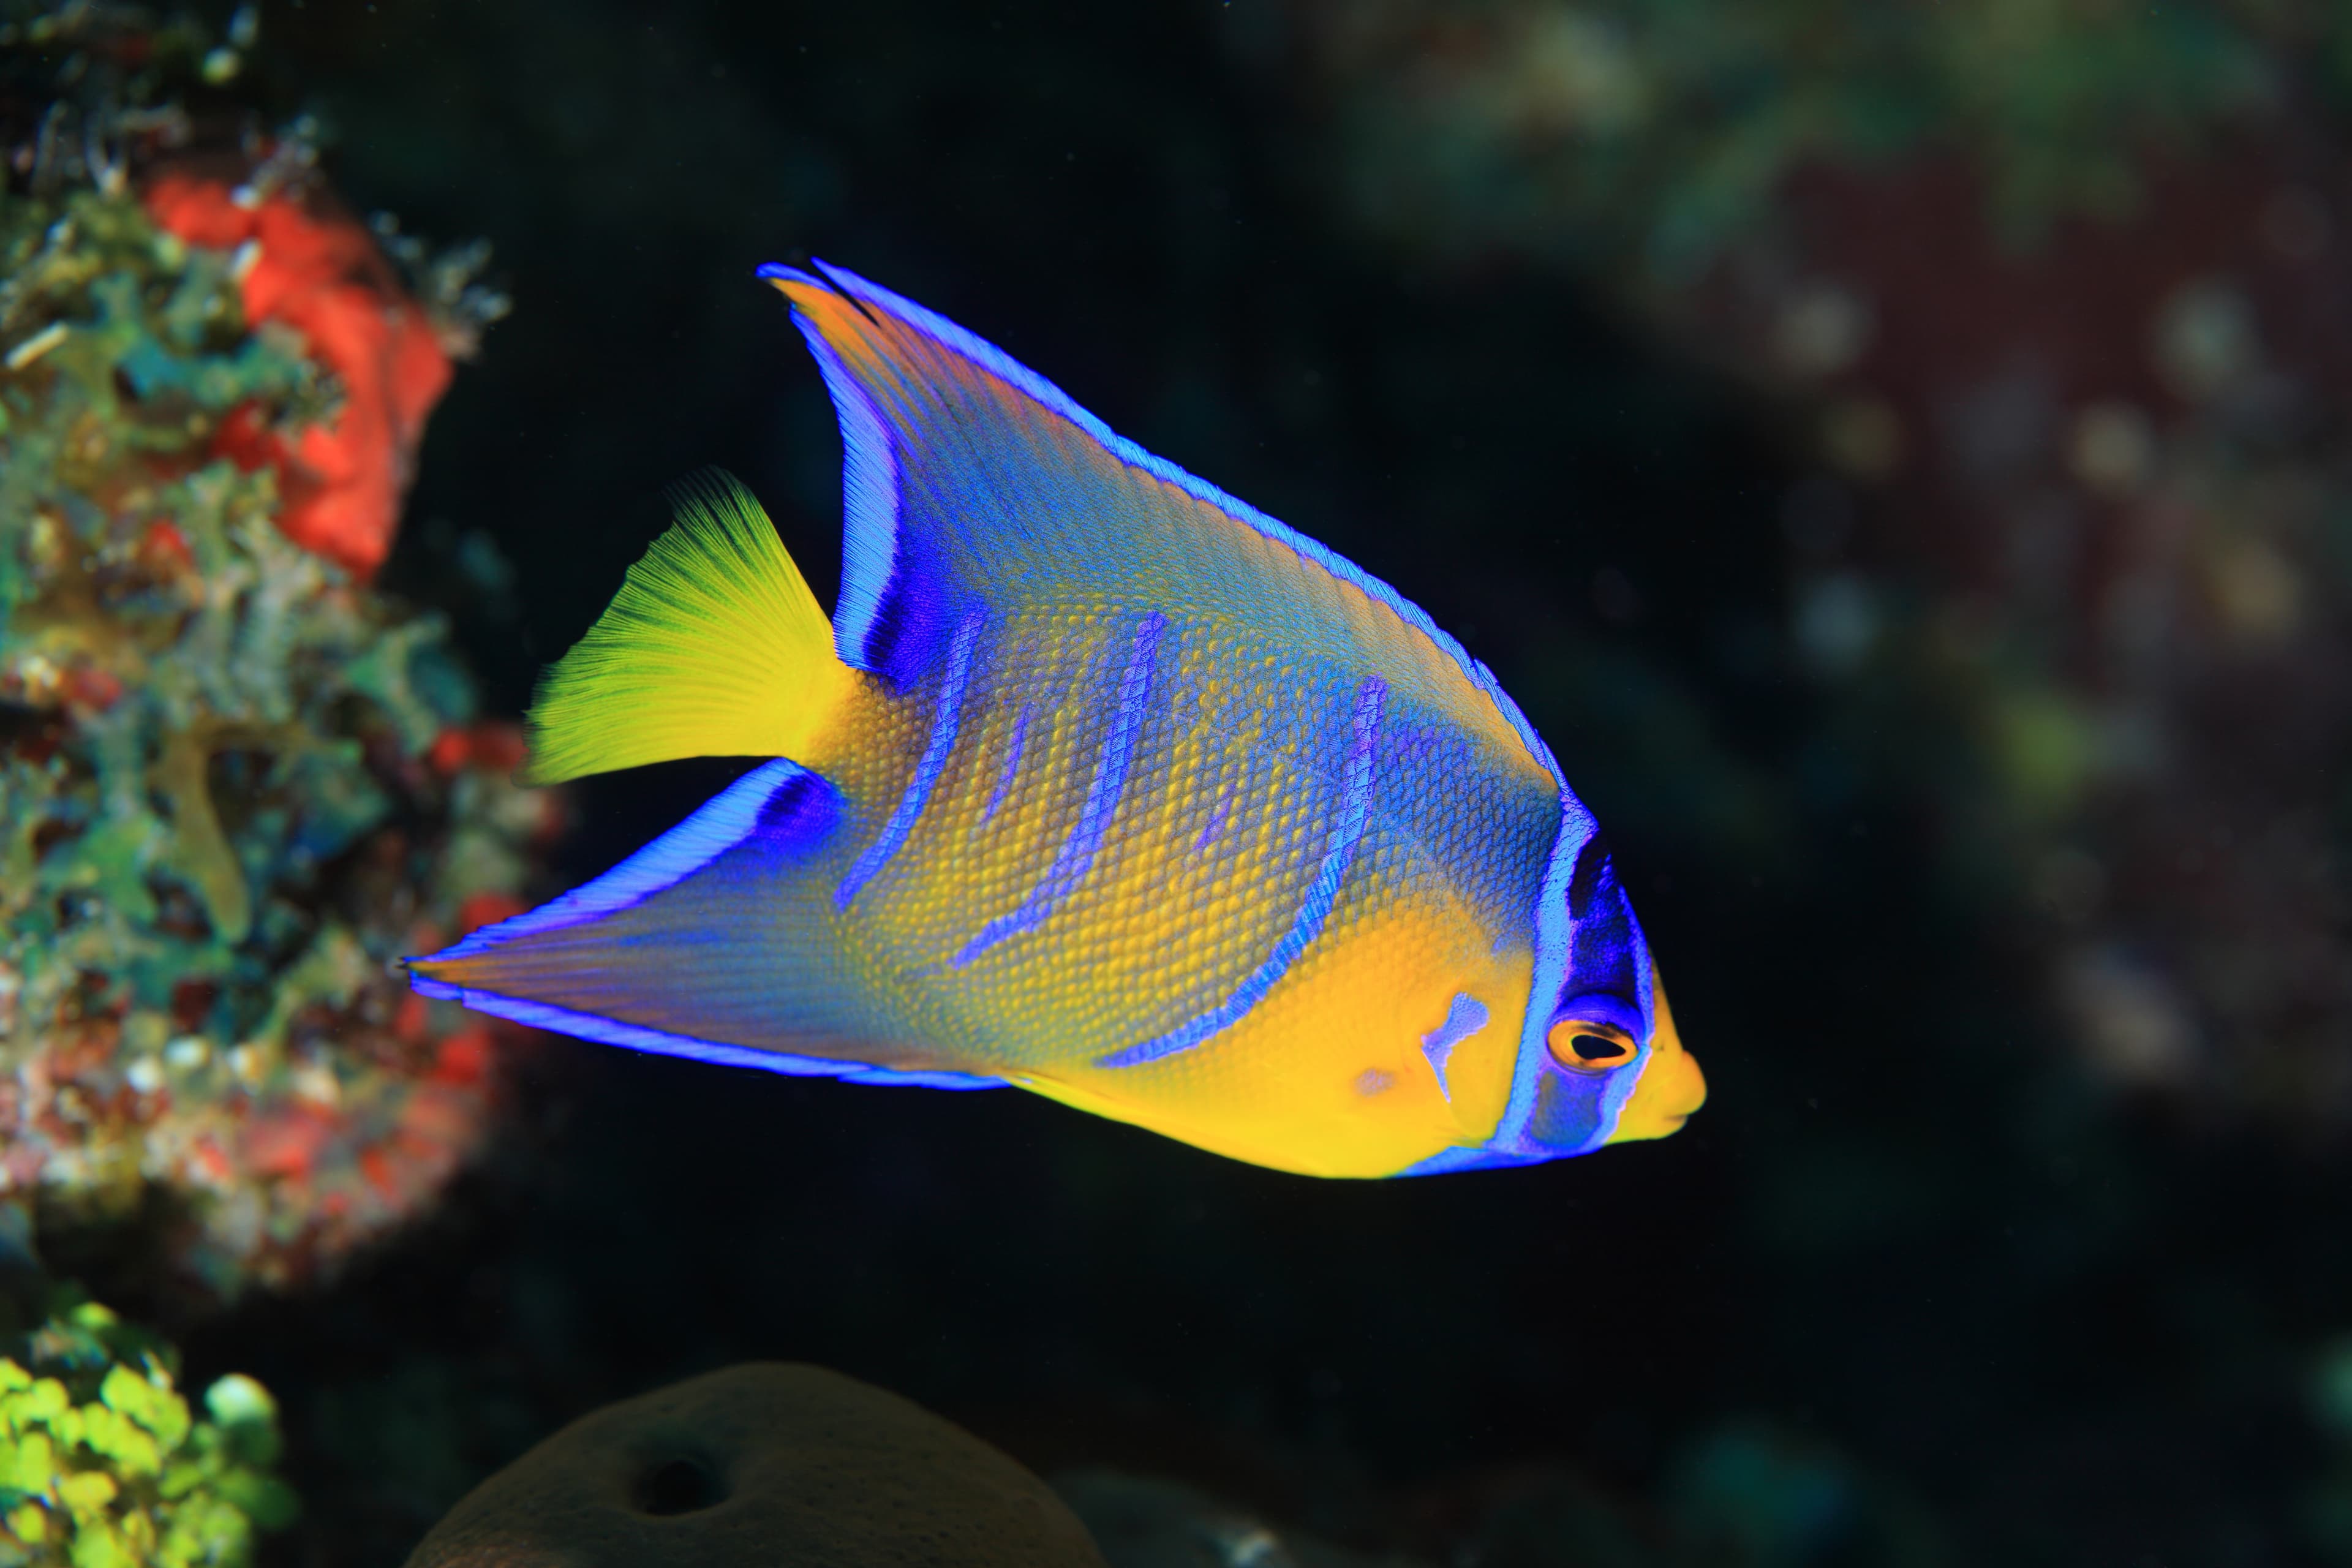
(713, 647)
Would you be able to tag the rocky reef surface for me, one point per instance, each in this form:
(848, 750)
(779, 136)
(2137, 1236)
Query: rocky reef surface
(235, 781)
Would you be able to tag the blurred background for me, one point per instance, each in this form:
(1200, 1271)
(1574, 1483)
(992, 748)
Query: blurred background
(1897, 453)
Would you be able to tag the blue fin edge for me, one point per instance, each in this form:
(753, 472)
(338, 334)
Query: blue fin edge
(661, 1042)
(1446, 1160)
(715, 827)
(869, 497)
(998, 363)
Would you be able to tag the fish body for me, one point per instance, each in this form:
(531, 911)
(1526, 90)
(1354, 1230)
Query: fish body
(1099, 782)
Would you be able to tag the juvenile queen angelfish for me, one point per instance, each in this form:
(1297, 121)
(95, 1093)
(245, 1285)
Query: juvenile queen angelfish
(1100, 783)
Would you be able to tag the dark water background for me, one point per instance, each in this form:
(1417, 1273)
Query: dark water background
(1909, 1234)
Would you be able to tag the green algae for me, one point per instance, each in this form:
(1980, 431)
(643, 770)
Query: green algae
(104, 1465)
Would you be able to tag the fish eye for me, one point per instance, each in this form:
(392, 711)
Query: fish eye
(1588, 1045)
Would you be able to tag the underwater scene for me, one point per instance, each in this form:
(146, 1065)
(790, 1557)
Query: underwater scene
(918, 783)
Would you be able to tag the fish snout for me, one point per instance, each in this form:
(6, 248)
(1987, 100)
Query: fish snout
(1672, 1086)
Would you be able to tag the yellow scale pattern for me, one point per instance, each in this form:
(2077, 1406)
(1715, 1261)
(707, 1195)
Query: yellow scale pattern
(1326, 1073)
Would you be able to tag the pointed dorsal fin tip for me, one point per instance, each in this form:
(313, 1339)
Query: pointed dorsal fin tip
(961, 342)
(842, 290)
(815, 274)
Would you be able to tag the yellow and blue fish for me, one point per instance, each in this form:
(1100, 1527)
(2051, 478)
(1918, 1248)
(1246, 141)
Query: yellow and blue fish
(1100, 783)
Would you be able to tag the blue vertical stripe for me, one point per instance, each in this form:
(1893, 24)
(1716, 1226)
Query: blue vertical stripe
(1077, 856)
(1226, 789)
(1355, 811)
(1012, 761)
(945, 723)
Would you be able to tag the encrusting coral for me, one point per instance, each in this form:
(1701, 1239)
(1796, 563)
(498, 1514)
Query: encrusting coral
(339, 481)
(234, 783)
(103, 1465)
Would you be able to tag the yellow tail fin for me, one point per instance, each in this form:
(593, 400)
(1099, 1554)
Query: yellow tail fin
(713, 647)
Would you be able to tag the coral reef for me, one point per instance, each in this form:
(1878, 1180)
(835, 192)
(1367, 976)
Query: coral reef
(339, 480)
(758, 1464)
(1923, 1253)
(103, 1464)
(236, 784)
(2053, 307)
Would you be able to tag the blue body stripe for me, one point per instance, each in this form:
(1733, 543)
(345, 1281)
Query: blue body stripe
(1222, 810)
(1077, 856)
(1464, 1018)
(717, 825)
(1620, 1084)
(1551, 947)
(1231, 774)
(1355, 811)
(611, 1032)
(945, 723)
(1012, 761)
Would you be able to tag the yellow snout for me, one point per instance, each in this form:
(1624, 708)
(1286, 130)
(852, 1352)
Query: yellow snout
(1671, 1086)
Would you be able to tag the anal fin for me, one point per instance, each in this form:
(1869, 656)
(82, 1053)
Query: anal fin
(707, 944)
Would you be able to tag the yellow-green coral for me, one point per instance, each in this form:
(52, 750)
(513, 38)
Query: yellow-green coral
(102, 1465)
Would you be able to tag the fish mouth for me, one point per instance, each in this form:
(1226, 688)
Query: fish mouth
(1688, 1085)
(1672, 1087)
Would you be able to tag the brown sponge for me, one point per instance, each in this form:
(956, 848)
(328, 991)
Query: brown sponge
(766, 1465)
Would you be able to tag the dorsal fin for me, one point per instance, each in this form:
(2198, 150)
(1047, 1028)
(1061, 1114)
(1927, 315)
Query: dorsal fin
(971, 481)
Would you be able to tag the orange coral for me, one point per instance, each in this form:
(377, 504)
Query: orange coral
(324, 278)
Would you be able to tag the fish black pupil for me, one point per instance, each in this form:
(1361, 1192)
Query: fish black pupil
(1596, 1047)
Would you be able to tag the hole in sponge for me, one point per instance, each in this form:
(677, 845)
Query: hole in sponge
(679, 1485)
